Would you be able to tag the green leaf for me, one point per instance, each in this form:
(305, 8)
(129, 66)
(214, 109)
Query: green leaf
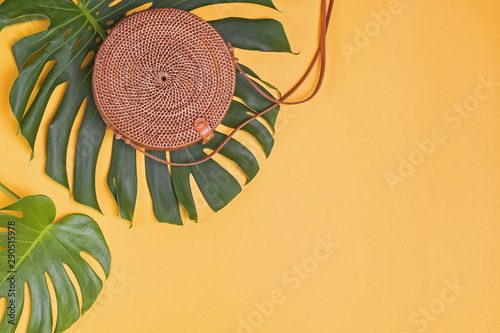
(122, 178)
(255, 100)
(161, 188)
(74, 36)
(182, 186)
(251, 73)
(236, 152)
(40, 246)
(265, 35)
(90, 138)
(216, 184)
(237, 114)
(116, 12)
(190, 4)
(60, 130)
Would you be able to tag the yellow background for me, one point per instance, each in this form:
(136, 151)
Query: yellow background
(326, 178)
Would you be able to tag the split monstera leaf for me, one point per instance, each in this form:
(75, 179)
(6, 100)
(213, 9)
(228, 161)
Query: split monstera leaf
(66, 50)
(35, 252)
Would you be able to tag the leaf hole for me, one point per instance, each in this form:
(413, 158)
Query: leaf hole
(46, 70)
(114, 3)
(13, 213)
(34, 55)
(139, 9)
(76, 285)
(53, 299)
(71, 153)
(201, 204)
(264, 122)
(94, 264)
(67, 32)
(110, 22)
(3, 307)
(78, 42)
(25, 312)
(169, 159)
(88, 59)
(229, 165)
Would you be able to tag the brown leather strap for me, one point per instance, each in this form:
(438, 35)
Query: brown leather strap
(326, 14)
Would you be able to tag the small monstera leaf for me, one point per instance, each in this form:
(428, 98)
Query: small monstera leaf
(66, 51)
(36, 247)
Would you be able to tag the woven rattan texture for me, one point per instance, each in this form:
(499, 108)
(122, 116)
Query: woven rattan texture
(157, 72)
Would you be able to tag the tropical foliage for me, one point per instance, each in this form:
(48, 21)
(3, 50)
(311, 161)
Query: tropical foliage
(36, 251)
(66, 50)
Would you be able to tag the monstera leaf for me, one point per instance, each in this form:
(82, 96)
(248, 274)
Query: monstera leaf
(66, 51)
(36, 250)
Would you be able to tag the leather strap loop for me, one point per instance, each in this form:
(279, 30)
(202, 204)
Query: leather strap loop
(202, 127)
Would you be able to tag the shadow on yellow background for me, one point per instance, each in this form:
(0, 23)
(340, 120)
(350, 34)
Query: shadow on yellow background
(376, 212)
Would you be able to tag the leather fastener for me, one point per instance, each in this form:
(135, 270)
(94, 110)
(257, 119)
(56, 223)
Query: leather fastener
(202, 127)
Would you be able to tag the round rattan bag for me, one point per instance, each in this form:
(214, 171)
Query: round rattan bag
(163, 79)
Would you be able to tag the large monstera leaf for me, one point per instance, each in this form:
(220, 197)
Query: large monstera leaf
(72, 38)
(35, 251)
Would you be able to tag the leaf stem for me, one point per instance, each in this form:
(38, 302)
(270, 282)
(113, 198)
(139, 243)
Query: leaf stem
(93, 22)
(9, 192)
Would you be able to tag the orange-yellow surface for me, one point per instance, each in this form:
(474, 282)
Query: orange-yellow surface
(396, 164)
